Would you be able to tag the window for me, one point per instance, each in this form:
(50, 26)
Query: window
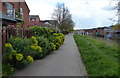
(33, 19)
(21, 10)
(9, 7)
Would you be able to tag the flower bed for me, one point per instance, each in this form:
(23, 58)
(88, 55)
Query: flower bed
(19, 52)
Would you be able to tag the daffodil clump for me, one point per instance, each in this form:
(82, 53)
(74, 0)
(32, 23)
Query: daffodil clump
(51, 31)
(10, 50)
(54, 46)
(34, 40)
(19, 57)
(55, 34)
(36, 48)
(59, 39)
(29, 59)
(8, 45)
(39, 49)
(61, 34)
(35, 45)
(58, 45)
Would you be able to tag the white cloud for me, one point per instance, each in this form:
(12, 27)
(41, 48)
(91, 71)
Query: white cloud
(44, 10)
(86, 13)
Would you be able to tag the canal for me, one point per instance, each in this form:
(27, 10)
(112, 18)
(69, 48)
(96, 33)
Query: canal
(110, 41)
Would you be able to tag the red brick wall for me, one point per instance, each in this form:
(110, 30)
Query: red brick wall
(26, 14)
(26, 11)
(4, 9)
(16, 6)
(101, 31)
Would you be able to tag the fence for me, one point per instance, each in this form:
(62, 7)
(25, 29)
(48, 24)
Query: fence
(21, 32)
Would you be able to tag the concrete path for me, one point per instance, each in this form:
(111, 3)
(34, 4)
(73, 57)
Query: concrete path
(63, 62)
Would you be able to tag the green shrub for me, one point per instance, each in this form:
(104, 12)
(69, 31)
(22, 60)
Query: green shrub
(7, 70)
(57, 45)
(13, 59)
(45, 44)
(19, 52)
(21, 45)
(53, 46)
(57, 38)
(40, 31)
(13, 56)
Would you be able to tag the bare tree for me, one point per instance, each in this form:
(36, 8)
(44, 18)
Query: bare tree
(116, 7)
(63, 17)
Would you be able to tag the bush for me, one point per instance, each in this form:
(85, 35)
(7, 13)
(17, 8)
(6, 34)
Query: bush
(7, 70)
(21, 51)
(45, 44)
(21, 45)
(12, 59)
(27, 46)
(40, 31)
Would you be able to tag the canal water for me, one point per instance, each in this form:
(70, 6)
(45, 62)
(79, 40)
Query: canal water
(108, 39)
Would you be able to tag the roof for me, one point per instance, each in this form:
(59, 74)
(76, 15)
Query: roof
(49, 21)
(34, 16)
(4, 16)
(27, 6)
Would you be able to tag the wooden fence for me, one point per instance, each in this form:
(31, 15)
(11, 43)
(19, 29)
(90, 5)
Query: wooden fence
(19, 32)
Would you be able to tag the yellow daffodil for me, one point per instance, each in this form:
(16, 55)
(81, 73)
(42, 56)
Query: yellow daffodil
(19, 57)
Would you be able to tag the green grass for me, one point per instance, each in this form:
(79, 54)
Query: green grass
(100, 59)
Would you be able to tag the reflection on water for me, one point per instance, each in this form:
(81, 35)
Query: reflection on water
(107, 39)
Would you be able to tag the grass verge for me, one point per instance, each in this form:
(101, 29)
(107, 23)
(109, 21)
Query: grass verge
(100, 59)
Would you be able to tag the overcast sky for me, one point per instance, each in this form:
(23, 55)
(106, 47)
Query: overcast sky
(86, 13)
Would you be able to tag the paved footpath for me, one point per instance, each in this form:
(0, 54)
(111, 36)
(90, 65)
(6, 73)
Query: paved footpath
(63, 62)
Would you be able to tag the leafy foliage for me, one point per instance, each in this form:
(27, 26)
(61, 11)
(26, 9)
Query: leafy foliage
(22, 51)
(40, 31)
(116, 27)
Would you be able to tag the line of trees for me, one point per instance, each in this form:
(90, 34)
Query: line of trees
(63, 17)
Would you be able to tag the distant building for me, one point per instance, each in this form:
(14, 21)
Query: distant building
(34, 20)
(52, 24)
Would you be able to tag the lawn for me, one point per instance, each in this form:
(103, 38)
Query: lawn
(100, 58)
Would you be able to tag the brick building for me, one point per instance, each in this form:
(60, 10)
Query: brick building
(14, 12)
(34, 20)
